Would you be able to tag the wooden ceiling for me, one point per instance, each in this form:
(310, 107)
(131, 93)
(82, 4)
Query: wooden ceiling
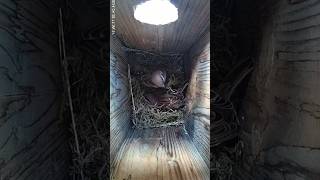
(176, 37)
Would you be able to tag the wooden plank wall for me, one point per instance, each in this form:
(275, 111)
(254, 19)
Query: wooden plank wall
(176, 37)
(33, 142)
(282, 105)
(160, 153)
(120, 104)
(198, 122)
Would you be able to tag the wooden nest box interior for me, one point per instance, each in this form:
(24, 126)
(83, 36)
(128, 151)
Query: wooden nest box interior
(160, 91)
(245, 107)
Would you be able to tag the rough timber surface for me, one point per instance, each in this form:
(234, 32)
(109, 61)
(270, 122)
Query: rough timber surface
(159, 153)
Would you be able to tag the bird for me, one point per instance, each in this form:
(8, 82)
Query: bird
(166, 101)
(157, 79)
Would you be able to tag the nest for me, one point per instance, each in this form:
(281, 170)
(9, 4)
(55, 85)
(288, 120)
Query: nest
(84, 103)
(148, 115)
(91, 160)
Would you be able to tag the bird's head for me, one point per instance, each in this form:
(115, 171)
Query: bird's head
(159, 78)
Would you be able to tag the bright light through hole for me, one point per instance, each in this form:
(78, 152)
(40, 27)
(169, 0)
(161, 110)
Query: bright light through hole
(157, 12)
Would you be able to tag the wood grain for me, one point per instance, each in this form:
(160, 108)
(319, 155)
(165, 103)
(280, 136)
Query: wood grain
(177, 37)
(159, 153)
(33, 139)
(282, 102)
(198, 122)
(120, 109)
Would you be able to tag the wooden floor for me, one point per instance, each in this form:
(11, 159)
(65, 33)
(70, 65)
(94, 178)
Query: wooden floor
(160, 153)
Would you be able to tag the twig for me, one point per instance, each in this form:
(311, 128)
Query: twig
(184, 87)
(132, 98)
(67, 83)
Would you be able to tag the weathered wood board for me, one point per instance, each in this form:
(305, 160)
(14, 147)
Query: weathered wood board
(159, 153)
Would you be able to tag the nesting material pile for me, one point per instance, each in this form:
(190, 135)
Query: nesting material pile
(84, 104)
(90, 149)
(157, 106)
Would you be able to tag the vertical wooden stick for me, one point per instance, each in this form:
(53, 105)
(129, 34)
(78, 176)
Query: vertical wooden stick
(130, 84)
(64, 64)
